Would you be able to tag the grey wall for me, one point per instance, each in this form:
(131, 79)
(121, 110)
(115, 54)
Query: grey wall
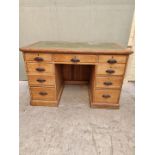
(74, 20)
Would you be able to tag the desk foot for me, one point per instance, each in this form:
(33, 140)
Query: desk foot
(44, 103)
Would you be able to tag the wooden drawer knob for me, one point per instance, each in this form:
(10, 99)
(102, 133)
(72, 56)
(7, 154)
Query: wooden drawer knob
(40, 69)
(41, 80)
(112, 61)
(110, 71)
(38, 59)
(43, 93)
(106, 96)
(107, 83)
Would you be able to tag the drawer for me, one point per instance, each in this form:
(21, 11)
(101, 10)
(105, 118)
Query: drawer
(43, 93)
(38, 57)
(75, 58)
(40, 68)
(109, 82)
(108, 69)
(40, 80)
(106, 96)
(112, 59)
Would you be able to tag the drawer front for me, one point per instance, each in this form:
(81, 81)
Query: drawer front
(43, 93)
(112, 59)
(72, 58)
(40, 80)
(106, 96)
(108, 69)
(38, 57)
(40, 68)
(109, 82)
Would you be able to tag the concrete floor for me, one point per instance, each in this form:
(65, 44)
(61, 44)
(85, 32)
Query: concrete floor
(74, 128)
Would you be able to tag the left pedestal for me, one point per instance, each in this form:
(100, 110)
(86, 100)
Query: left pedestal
(44, 77)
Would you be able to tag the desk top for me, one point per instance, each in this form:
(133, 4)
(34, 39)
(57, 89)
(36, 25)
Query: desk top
(76, 47)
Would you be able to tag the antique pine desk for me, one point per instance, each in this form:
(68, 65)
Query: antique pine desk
(50, 65)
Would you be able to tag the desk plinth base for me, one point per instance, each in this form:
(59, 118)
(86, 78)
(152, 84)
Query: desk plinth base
(44, 103)
(105, 105)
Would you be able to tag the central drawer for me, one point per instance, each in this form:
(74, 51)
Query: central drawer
(75, 58)
(43, 93)
(40, 68)
(106, 96)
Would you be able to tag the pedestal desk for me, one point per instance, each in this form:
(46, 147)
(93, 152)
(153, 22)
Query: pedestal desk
(50, 65)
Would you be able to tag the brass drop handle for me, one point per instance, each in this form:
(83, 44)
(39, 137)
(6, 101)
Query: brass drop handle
(40, 69)
(110, 71)
(108, 83)
(38, 59)
(41, 80)
(112, 61)
(75, 60)
(106, 96)
(43, 93)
